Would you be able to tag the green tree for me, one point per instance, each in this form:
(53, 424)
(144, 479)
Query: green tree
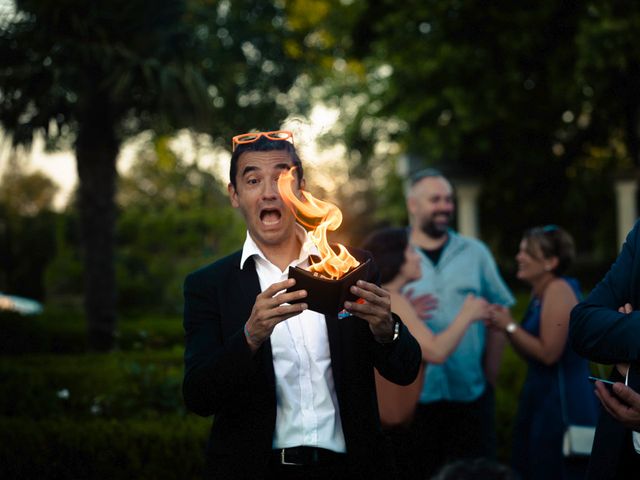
(27, 222)
(608, 73)
(91, 74)
(175, 217)
(537, 100)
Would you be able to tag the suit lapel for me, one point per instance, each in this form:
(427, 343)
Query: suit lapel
(250, 286)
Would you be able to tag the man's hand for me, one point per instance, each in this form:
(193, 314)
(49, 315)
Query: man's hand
(624, 406)
(626, 308)
(422, 304)
(376, 309)
(269, 310)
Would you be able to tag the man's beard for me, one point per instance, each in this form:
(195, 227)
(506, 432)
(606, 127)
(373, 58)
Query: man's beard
(433, 229)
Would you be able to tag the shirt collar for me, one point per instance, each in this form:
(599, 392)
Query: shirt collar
(250, 248)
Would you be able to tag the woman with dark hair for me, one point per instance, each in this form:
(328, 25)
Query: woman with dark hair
(556, 391)
(399, 264)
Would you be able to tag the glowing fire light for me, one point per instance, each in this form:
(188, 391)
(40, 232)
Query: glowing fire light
(319, 217)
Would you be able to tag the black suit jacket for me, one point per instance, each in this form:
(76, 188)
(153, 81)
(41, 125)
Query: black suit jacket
(222, 377)
(602, 334)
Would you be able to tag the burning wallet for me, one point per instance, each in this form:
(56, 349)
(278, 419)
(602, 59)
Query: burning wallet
(325, 295)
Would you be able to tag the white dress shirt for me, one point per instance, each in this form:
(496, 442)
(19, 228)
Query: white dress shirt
(307, 406)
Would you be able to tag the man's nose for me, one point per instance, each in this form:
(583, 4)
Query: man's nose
(271, 189)
(445, 207)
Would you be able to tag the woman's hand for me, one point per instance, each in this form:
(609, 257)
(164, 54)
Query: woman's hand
(500, 317)
(423, 304)
(474, 308)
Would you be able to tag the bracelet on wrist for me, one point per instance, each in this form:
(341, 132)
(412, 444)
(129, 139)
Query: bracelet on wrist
(250, 339)
(395, 334)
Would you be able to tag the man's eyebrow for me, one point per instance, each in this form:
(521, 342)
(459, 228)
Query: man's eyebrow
(255, 168)
(249, 169)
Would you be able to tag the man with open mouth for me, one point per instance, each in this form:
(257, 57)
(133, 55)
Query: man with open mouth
(292, 390)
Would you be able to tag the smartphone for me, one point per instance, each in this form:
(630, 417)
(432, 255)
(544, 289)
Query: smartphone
(607, 383)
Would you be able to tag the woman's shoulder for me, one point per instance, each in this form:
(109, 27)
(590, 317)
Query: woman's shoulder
(560, 288)
(563, 283)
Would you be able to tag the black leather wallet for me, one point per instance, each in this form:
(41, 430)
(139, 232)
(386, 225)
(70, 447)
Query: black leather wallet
(324, 295)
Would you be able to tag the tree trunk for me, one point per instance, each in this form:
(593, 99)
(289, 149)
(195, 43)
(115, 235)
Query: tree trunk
(96, 154)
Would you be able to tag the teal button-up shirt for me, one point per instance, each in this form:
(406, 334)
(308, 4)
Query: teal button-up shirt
(465, 266)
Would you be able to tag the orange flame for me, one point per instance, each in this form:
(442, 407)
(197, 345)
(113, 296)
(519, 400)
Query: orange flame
(319, 217)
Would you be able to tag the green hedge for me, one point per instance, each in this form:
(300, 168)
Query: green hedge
(66, 332)
(169, 448)
(144, 382)
(116, 385)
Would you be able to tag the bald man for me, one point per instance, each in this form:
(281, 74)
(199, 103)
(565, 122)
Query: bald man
(455, 414)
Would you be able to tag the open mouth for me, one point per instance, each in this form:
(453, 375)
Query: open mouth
(270, 216)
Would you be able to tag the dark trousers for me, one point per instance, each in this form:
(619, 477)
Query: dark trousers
(627, 468)
(630, 464)
(400, 444)
(447, 431)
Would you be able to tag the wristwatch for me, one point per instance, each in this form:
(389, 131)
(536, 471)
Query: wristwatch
(396, 331)
(511, 327)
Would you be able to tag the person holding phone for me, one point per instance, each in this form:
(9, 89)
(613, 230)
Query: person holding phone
(605, 328)
(556, 391)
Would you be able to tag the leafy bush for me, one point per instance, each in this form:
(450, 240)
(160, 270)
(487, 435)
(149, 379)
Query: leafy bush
(167, 448)
(117, 385)
(64, 332)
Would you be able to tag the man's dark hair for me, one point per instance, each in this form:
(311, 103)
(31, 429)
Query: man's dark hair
(387, 247)
(263, 144)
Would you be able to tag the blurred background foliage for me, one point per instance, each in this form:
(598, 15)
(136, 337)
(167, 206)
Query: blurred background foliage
(538, 101)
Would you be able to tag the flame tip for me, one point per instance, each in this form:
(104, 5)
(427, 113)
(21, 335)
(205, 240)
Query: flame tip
(328, 217)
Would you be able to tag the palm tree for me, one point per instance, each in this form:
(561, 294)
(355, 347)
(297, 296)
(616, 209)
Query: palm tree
(91, 74)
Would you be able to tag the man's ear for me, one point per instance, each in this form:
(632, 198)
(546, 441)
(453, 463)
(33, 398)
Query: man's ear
(298, 191)
(411, 204)
(233, 195)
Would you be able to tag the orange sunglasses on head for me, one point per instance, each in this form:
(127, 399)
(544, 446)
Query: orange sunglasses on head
(254, 136)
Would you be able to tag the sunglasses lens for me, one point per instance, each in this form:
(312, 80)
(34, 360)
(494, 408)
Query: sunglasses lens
(278, 135)
(247, 138)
